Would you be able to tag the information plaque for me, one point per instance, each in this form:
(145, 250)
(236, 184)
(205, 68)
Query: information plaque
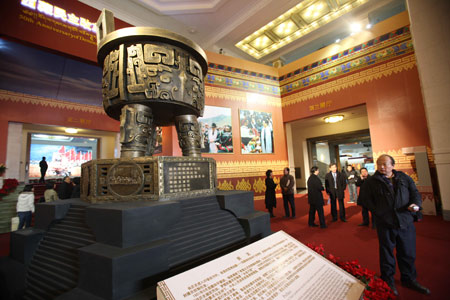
(276, 267)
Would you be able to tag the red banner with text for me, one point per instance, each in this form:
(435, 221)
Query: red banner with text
(66, 26)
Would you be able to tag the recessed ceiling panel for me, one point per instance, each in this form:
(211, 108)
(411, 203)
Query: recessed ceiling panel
(315, 11)
(261, 42)
(300, 20)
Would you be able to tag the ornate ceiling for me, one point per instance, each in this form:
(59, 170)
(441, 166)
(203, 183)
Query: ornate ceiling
(257, 30)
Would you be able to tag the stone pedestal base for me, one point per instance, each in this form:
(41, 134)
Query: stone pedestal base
(147, 178)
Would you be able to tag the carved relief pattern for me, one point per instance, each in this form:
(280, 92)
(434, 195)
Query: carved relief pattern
(189, 137)
(110, 77)
(158, 72)
(135, 129)
(197, 91)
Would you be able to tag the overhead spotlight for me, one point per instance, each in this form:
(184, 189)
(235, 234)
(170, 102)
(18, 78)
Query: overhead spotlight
(368, 26)
(71, 130)
(355, 27)
(338, 40)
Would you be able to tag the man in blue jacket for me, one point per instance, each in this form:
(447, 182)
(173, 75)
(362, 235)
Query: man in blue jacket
(393, 199)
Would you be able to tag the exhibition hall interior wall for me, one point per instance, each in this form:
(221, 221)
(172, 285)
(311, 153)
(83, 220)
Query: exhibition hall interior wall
(377, 69)
(374, 68)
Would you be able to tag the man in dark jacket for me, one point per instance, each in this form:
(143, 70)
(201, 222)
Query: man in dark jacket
(364, 211)
(335, 184)
(287, 189)
(392, 197)
(65, 188)
(315, 199)
(43, 166)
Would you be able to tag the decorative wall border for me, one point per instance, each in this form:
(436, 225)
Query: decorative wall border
(242, 169)
(242, 72)
(372, 45)
(53, 103)
(241, 96)
(257, 185)
(349, 66)
(367, 75)
(239, 83)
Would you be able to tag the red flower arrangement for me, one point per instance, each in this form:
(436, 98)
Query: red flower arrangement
(8, 186)
(376, 288)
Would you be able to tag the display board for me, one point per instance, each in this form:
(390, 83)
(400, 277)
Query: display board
(276, 267)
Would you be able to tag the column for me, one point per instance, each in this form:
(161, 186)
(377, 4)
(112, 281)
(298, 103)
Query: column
(430, 23)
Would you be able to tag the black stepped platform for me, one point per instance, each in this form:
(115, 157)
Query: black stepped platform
(54, 268)
(203, 228)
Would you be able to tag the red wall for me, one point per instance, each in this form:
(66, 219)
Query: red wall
(394, 106)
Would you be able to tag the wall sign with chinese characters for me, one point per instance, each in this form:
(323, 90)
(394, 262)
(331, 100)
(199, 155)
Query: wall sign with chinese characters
(277, 267)
(66, 26)
(59, 13)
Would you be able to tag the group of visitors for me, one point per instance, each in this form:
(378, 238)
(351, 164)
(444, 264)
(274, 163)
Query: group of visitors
(390, 195)
(25, 202)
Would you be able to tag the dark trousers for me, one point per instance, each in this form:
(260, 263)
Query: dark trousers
(365, 216)
(404, 240)
(24, 218)
(334, 207)
(42, 179)
(289, 200)
(312, 214)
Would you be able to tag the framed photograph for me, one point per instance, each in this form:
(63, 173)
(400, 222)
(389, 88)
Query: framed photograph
(256, 132)
(217, 136)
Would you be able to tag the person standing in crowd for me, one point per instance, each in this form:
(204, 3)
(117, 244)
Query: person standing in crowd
(393, 199)
(335, 185)
(65, 188)
(270, 198)
(43, 166)
(212, 137)
(351, 175)
(364, 211)
(287, 189)
(50, 194)
(76, 188)
(25, 206)
(315, 199)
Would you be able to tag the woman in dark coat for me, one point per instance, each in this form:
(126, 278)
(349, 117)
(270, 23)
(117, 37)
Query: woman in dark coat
(315, 199)
(270, 199)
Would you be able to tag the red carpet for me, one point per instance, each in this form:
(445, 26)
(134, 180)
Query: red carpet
(349, 241)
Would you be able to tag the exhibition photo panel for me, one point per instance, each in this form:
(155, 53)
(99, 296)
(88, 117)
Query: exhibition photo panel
(256, 132)
(216, 130)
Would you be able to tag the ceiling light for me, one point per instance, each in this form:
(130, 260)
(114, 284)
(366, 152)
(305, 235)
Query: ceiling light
(368, 26)
(338, 40)
(334, 119)
(71, 130)
(355, 27)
